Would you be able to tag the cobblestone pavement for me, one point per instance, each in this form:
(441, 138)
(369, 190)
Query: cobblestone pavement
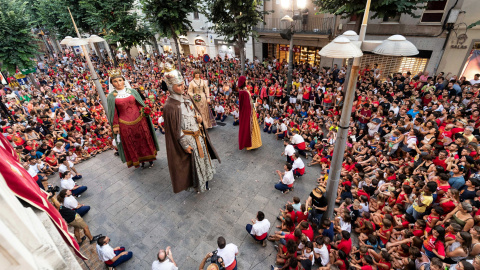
(137, 208)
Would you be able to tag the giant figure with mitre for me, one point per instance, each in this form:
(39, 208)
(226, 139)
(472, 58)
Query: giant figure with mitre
(189, 149)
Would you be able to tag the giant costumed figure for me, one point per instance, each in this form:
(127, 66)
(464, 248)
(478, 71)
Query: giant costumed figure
(189, 150)
(199, 91)
(249, 132)
(129, 118)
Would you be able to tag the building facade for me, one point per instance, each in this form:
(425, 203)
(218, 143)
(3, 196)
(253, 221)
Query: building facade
(461, 54)
(439, 31)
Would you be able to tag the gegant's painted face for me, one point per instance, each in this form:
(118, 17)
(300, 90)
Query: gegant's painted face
(118, 83)
(179, 88)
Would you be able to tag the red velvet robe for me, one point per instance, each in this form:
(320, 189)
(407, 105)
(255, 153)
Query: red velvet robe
(245, 114)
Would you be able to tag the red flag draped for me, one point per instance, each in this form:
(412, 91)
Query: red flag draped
(25, 187)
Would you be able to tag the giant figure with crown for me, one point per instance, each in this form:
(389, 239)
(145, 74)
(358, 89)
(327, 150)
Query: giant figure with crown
(131, 125)
(189, 149)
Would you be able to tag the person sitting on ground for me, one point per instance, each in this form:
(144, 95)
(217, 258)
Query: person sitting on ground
(66, 182)
(66, 165)
(285, 184)
(76, 221)
(65, 197)
(112, 257)
(259, 229)
(298, 166)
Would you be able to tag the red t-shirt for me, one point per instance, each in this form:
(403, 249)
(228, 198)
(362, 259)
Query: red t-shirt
(308, 232)
(430, 244)
(440, 162)
(301, 216)
(345, 245)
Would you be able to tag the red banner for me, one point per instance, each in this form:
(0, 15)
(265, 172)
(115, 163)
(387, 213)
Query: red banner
(25, 187)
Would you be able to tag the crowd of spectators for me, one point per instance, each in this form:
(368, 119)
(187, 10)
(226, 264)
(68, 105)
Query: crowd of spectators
(409, 182)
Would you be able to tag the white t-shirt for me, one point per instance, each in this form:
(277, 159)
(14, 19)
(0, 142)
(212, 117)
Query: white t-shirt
(67, 183)
(283, 127)
(323, 252)
(296, 139)
(269, 120)
(228, 253)
(395, 110)
(35, 168)
(105, 253)
(235, 114)
(298, 164)
(32, 171)
(288, 178)
(345, 226)
(289, 150)
(62, 168)
(219, 109)
(70, 202)
(473, 81)
(160, 120)
(165, 265)
(260, 227)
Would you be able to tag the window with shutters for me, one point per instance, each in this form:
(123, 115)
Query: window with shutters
(434, 11)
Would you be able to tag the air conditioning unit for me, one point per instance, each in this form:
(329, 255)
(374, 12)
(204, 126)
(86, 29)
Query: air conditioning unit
(316, 30)
(274, 29)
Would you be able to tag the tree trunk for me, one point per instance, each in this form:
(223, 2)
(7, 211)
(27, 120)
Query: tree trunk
(358, 23)
(99, 53)
(155, 45)
(34, 82)
(114, 57)
(241, 47)
(129, 56)
(179, 57)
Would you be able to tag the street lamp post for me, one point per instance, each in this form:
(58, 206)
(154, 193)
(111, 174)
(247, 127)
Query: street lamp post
(341, 47)
(286, 4)
(82, 42)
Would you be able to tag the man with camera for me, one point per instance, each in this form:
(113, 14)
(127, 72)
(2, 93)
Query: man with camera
(227, 253)
(164, 260)
(216, 262)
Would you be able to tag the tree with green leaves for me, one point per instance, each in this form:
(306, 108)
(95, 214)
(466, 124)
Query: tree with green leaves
(170, 18)
(118, 22)
(235, 20)
(17, 42)
(379, 8)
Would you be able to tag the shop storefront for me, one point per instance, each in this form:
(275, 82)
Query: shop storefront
(226, 49)
(393, 64)
(167, 48)
(301, 54)
(472, 65)
(184, 45)
(200, 46)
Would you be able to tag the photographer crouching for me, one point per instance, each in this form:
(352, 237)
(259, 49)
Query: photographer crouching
(224, 258)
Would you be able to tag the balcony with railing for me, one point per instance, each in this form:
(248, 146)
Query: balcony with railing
(312, 25)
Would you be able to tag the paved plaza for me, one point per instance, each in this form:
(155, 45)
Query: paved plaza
(137, 208)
